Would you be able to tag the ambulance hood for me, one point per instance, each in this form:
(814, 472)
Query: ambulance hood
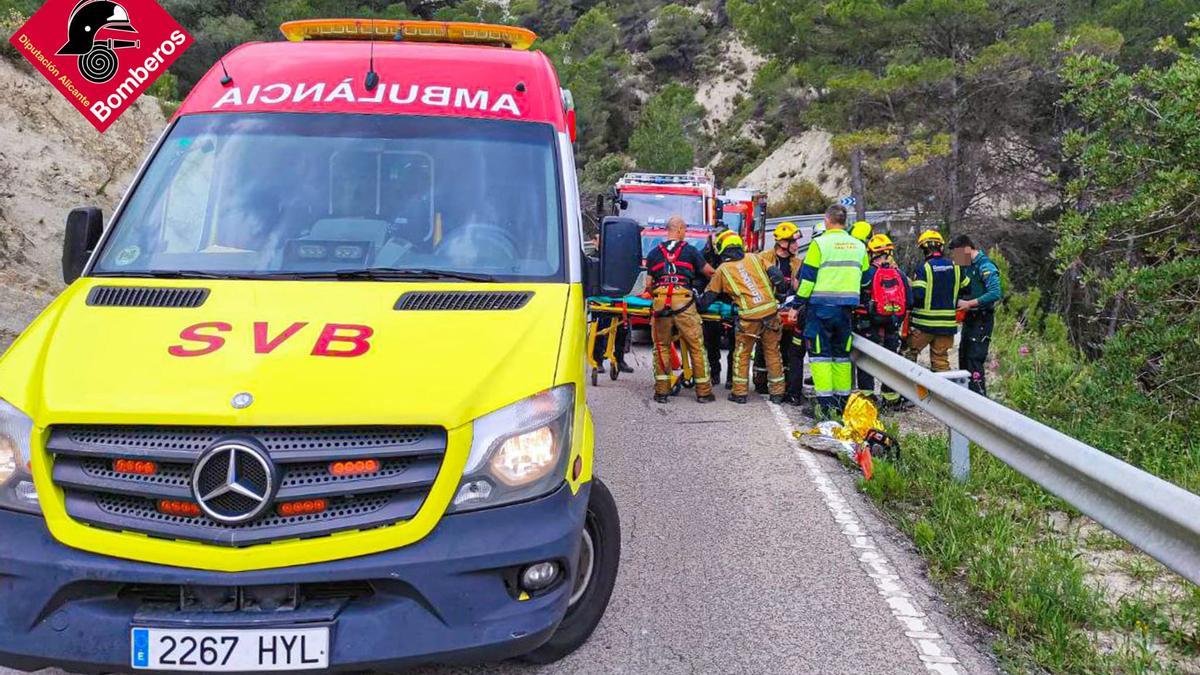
(82, 363)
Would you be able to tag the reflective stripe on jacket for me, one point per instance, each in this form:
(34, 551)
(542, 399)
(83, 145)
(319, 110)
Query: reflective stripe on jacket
(833, 269)
(936, 287)
(746, 282)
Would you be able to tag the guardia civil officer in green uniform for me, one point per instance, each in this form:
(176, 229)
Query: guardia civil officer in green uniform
(830, 284)
(984, 292)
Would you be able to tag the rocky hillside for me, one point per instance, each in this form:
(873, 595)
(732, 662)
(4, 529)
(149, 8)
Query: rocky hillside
(778, 162)
(52, 160)
(806, 157)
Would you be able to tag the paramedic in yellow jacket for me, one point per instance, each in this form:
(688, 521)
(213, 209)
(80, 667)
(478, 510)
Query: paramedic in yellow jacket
(748, 282)
(831, 283)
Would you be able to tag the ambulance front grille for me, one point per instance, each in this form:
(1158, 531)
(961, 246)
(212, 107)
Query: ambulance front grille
(482, 301)
(407, 461)
(146, 296)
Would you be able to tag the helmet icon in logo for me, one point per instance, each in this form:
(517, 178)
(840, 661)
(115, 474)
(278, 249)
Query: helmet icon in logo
(234, 482)
(97, 58)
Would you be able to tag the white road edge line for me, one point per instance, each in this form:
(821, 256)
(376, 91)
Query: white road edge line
(935, 652)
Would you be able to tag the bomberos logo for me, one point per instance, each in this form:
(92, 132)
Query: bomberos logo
(101, 54)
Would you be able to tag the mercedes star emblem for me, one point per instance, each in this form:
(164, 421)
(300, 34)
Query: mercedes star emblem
(234, 482)
(242, 400)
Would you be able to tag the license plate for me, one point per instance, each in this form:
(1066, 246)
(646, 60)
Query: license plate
(217, 651)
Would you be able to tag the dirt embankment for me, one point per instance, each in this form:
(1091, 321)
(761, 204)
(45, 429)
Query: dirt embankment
(808, 156)
(718, 93)
(52, 160)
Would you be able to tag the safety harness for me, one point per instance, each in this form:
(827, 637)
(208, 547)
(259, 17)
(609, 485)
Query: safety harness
(668, 274)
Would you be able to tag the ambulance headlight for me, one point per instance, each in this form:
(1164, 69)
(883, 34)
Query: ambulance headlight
(519, 451)
(16, 485)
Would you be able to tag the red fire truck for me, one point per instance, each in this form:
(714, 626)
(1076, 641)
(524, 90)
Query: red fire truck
(744, 210)
(652, 198)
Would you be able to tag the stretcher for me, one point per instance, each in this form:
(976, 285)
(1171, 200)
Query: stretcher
(636, 306)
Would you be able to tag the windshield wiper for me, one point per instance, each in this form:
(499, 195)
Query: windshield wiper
(389, 273)
(172, 274)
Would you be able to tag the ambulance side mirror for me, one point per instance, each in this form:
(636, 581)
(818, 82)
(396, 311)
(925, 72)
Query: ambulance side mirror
(620, 258)
(84, 227)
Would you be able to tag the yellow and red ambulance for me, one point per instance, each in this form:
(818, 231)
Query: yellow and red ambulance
(313, 399)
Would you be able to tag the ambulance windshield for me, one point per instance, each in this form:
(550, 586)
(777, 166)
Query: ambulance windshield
(296, 195)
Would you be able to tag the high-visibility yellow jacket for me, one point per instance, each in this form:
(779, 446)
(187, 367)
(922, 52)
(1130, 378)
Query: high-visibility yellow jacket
(833, 269)
(746, 282)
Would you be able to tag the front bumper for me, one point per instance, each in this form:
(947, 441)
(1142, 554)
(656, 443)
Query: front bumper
(442, 599)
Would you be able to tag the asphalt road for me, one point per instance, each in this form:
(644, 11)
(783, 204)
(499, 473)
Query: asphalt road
(744, 553)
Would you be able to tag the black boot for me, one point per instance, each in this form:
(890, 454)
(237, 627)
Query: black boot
(793, 400)
(716, 377)
(737, 398)
(776, 398)
(978, 384)
(624, 367)
(728, 385)
(707, 398)
(661, 398)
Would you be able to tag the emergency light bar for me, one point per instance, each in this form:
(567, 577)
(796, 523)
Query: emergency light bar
(698, 177)
(408, 31)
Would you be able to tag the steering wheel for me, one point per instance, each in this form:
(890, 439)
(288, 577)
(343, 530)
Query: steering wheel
(480, 245)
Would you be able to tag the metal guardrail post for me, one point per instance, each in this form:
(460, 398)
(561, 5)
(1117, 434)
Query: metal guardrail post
(1154, 515)
(960, 446)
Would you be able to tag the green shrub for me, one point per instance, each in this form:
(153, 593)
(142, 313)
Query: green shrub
(11, 19)
(676, 38)
(801, 197)
(738, 156)
(666, 132)
(165, 88)
(1100, 402)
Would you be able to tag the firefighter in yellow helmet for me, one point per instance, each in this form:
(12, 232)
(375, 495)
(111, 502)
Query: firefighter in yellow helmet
(862, 231)
(783, 257)
(886, 299)
(718, 332)
(751, 285)
(936, 284)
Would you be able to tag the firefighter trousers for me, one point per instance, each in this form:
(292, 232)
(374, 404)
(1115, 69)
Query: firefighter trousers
(766, 334)
(687, 323)
(791, 354)
(884, 332)
(714, 333)
(973, 351)
(939, 349)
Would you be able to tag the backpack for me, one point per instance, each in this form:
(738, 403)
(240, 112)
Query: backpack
(887, 292)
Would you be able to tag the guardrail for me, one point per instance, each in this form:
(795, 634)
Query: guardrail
(807, 222)
(810, 219)
(1154, 515)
